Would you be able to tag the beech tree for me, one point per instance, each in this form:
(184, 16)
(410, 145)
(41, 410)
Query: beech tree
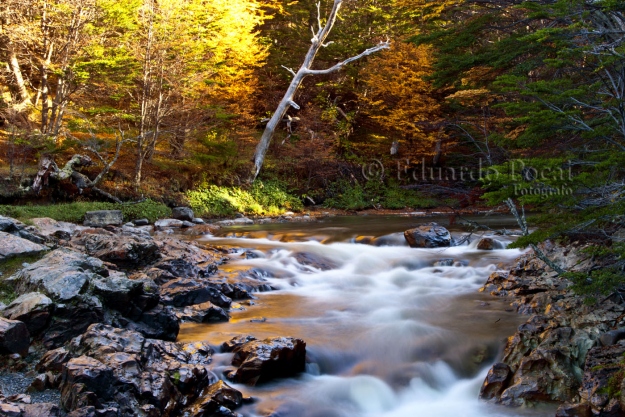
(318, 41)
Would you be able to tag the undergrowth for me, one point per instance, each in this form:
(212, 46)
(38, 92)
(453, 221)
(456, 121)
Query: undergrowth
(263, 198)
(374, 194)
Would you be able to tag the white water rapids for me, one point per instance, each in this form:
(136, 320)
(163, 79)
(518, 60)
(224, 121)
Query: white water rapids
(390, 330)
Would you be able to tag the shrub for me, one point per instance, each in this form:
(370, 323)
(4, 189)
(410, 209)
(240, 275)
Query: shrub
(374, 194)
(269, 198)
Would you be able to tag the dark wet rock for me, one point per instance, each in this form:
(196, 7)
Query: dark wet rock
(101, 218)
(496, 381)
(120, 293)
(219, 399)
(236, 342)
(573, 410)
(185, 259)
(262, 360)
(202, 313)
(444, 262)
(612, 337)
(315, 260)
(185, 292)
(141, 222)
(182, 213)
(39, 383)
(428, 236)
(198, 220)
(129, 248)
(10, 410)
(14, 246)
(62, 274)
(159, 322)
(393, 239)
(34, 309)
(102, 339)
(14, 337)
(83, 378)
(488, 243)
(70, 320)
(53, 360)
(51, 228)
(18, 229)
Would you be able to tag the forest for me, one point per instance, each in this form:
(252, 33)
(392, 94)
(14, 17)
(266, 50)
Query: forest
(466, 103)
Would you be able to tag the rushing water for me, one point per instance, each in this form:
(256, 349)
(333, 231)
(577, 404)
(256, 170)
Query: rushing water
(391, 331)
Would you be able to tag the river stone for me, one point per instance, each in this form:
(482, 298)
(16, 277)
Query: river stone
(428, 236)
(488, 243)
(612, 337)
(166, 223)
(14, 246)
(51, 227)
(496, 381)
(263, 360)
(62, 274)
(14, 337)
(182, 213)
(85, 374)
(34, 309)
(219, 399)
(129, 249)
(101, 218)
(202, 313)
(141, 222)
(185, 292)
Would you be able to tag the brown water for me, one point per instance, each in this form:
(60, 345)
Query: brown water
(388, 332)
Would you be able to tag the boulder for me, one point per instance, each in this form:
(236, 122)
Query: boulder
(488, 243)
(612, 337)
(54, 229)
(602, 365)
(159, 322)
(219, 399)
(573, 410)
(62, 274)
(185, 292)
(72, 319)
(185, 259)
(53, 360)
(101, 218)
(202, 313)
(85, 377)
(182, 213)
(167, 223)
(129, 249)
(428, 236)
(141, 222)
(122, 294)
(14, 246)
(34, 309)
(496, 381)
(14, 337)
(263, 360)
(198, 220)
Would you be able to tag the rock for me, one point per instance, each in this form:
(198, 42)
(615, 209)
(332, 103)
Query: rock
(166, 223)
(120, 293)
(14, 337)
(202, 313)
(101, 218)
(185, 259)
(62, 274)
(214, 399)
(92, 375)
(573, 410)
(602, 364)
(126, 250)
(185, 292)
(10, 225)
(53, 360)
(488, 243)
(236, 342)
(428, 236)
(159, 322)
(262, 360)
(34, 309)
(243, 221)
(315, 260)
(444, 262)
(612, 337)
(72, 319)
(198, 220)
(102, 339)
(41, 410)
(39, 383)
(182, 213)
(53, 229)
(14, 246)
(10, 410)
(496, 381)
(141, 222)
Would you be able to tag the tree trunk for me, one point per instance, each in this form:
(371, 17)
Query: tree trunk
(20, 85)
(304, 71)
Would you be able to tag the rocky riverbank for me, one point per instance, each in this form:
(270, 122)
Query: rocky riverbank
(567, 352)
(92, 325)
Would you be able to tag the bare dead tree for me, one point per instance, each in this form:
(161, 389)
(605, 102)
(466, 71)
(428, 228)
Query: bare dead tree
(318, 41)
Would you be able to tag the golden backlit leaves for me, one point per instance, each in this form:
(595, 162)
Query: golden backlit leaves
(399, 98)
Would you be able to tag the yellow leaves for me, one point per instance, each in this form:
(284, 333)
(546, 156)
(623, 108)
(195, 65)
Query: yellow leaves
(472, 97)
(398, 97)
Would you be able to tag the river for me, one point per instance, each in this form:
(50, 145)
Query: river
(391, 331)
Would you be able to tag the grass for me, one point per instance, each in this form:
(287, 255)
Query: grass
(9, 267)
(75, 212)
(268, 198)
